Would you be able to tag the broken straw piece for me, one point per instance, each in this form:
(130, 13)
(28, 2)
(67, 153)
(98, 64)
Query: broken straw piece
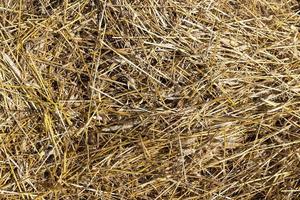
(9, 61)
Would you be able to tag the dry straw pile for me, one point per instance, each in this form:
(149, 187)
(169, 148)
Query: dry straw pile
(153, 99)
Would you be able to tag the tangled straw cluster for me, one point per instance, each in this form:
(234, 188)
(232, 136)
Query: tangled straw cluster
(150, 99)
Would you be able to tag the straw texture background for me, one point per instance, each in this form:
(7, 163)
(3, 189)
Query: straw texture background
(149, 99)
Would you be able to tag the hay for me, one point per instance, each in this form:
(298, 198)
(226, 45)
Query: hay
(149, 99)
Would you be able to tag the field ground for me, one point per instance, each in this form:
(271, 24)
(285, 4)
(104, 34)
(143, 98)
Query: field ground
(149, 99)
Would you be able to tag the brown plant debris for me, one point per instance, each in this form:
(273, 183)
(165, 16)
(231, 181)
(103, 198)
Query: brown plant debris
(150, 99)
